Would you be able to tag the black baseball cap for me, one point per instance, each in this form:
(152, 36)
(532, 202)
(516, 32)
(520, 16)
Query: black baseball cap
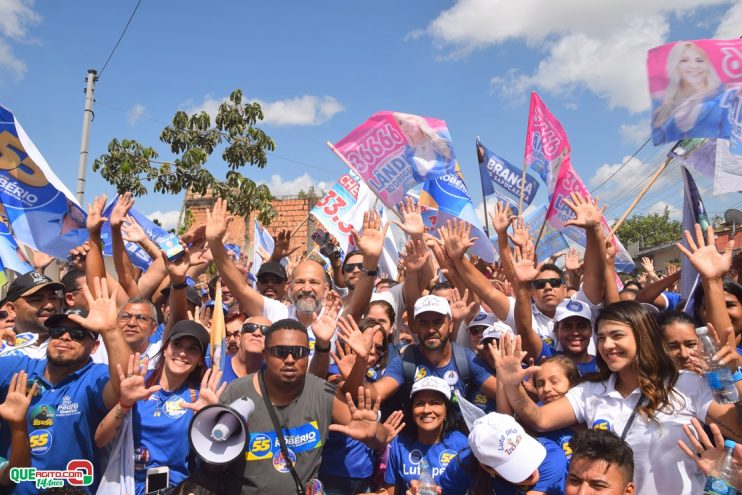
(190, 328)
(191, 294)
(273, 268)
(27, 284)
(63, 320)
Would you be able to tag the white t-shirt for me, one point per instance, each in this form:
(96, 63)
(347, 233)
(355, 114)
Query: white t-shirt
(101, 355)
(660, 467)
(544, 325)
(32, 351)
(276, 310)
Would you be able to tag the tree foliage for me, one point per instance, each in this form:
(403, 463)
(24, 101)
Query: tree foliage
(129, 166)
(650, 230)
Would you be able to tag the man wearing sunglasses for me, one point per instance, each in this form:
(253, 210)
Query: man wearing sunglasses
(74, 394)
(271, 280)
(305, 407)
(31, 299)
(249, 356)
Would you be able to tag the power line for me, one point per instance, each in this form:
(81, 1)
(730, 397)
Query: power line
(100, 73)
(622, 166)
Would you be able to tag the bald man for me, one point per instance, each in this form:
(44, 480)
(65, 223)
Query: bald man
(249, 357)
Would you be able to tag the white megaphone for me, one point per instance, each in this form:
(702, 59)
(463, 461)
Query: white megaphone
(218, 433)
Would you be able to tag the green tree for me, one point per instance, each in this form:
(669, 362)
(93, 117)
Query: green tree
(650, 230)
(129, 166)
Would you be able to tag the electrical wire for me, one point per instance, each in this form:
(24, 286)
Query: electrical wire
(100, 73)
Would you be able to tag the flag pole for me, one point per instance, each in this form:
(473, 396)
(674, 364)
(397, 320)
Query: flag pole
(522, 188)
(638, 198)
(300, 226)
(484, 196)
(541, 230)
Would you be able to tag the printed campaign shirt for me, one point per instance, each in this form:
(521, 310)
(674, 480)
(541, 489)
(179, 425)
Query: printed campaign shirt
(406, 453)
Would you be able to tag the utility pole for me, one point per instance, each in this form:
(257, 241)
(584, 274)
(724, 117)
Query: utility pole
(87, 117)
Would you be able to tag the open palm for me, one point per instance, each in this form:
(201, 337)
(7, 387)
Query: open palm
(707, 261)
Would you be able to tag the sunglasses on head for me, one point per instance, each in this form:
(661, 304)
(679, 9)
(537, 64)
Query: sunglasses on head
(283, 351)
(350, 267)
(251, 327)
(270, 279)
(77, 334)
(541, 283)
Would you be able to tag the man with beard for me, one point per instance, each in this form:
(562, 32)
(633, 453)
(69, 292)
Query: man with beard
(304, 406)
(31, 299)
(249, 355)
(74, 392)
(307, 284)
(436, 355)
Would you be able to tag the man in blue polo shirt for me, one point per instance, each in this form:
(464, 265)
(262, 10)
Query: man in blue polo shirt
(73, 393)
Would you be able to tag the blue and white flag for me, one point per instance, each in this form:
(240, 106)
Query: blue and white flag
(450, 196)
(42, 211)
(503, 179)
(261, 238)
(694, 212)
(11, 255)
(137, 254)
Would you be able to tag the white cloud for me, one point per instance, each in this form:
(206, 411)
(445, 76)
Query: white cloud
(635, 133)
(626, 184)
(168, 219)
(16, 17)
(659, 208)
(298, 111)
(136, 113)
(598, 46)
(731, 24)
(290, 187)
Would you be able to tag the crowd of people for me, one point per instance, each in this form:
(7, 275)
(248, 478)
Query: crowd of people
(525, 376)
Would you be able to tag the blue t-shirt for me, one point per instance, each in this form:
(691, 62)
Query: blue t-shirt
(61, 418)
(228, 374)
(591, 366)
(477, 397)
(552, 474)
(406, 453)
(673, 299)
(562, 438)
(395, 370)
(161, 434)
(157, 334)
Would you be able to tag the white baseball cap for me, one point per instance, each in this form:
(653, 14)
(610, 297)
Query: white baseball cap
(383, 296)
(498, 441)
(497, 330)
(483, 319)
(432, 383)
(572, 307)
(436, 304)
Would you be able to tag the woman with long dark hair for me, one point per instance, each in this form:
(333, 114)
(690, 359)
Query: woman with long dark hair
(638, 393)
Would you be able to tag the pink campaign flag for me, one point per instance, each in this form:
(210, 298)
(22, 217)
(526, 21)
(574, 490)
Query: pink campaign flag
(392, 152)
(547, 146)
(694, 86)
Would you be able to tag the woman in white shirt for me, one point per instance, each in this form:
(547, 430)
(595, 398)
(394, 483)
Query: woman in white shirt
(638, 394)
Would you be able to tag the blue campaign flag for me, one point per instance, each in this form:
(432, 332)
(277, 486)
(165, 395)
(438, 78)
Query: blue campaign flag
(137, 255)
(504, 179)
(450, 196)
(43, 213)
(694, 212)
(10, 253)
(261, 238)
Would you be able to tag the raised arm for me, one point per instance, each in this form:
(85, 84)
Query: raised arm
(370, 243)
(416, 256)
(14, 410)
(121, 261)
(588, 217)
(651, 293)
(131, 231)
(177, 299)
(526, 272)
(611, 289)
(94, 265)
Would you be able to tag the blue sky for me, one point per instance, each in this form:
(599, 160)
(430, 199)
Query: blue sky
(321, 68)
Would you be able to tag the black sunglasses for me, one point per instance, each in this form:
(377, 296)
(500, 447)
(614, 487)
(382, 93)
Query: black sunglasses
(77, 334)
(271, 279)
(283, 351)
(380, 349)
(349, 267)
(251, 327)
(541, 283)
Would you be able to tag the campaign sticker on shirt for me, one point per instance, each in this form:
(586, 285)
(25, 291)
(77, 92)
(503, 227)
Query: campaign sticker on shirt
(548, 341)
(40, 442)
(415, 456)
(172, 407)
(311, 343)
(67, 407)
(259, 446)
(564, 444)
(42, 416)
(480, 400)
(279, 462)
(602, 424)
(421, 372)
(451, 377)
(446, 457)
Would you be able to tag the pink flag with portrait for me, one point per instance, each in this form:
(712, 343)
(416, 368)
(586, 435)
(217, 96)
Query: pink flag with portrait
(694, 86)
(547, 146)
(393, 152)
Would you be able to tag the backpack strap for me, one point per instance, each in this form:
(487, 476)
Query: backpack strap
(408, 364)
(462, 364)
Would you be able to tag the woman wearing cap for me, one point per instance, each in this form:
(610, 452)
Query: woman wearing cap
(163, 401)
(638, 394)
(433, 441)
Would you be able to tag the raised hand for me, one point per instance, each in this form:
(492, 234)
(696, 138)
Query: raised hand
(362, 425)
(95, 219)
(41, 260)
(178, 268)
(459, 309)
(102, 309)
(611, 248)
(282, 243)
(209, 393)
(371, 240)
(131, 230)
(572, 260)
(344, 360)
(412, 220)
(520, 236)
(323, 326)
(704, 453)
(121, 210)
(393, 425)
(502, 217)
(525, 266)
(587, 214)
(647, 264)
(359, 341)
(77, 255)
(708, 262)
(17, 400)
(132, 388)
(417, 255)
(217, 222)
(456, 239)
(726, 355)
(508, 357)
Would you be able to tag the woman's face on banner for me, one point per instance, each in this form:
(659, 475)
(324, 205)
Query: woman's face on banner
(693, 67)
(410, 127)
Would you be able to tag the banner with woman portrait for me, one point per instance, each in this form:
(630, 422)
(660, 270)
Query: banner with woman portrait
(693, 85)
(393, 152)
